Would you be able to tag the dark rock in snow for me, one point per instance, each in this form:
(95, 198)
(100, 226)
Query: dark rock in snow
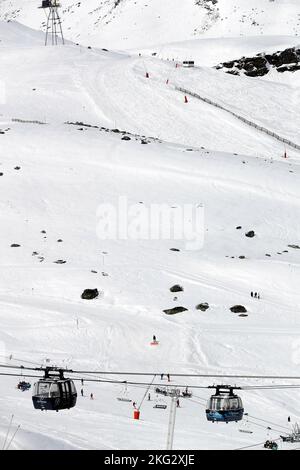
(296, 247)
(59, 261)
(15, 245)
(259, 65)
(174, 249)
(250, 234)
(173, 311)
(89, 294)
(238, 309)
(203, 307)
(126, 137)
(176, 288)
(238, 227)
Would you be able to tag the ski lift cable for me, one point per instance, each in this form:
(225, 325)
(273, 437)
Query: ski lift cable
(146, 391)
(200, 398)
(196, 375)
(267, 427)
(119, 382)
(12, 358)
(12, 438)
(256, 445)
(277, 386)
(8, 430)
(197, 402)
(268, 422)
(137, 383)
(229, 376)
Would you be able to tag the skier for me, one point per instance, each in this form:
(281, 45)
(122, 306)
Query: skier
(149, 397)
(92, 396)
(177, 403)
(289, 419)
(82, 392)
(258, 296)
(154, 338)
(81, 381)
(168, 377)
(255, 295)
(134, 404)
(161, 376)
(251, 294)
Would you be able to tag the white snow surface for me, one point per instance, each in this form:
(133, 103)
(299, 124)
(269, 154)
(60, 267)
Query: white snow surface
(202, 156)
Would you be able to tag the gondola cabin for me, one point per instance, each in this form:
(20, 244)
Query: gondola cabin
(54, 392)
(224, 406)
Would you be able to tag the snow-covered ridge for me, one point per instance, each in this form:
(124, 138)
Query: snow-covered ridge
(136, 23)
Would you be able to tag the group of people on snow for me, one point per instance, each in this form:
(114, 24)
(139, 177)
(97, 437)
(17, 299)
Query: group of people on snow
(255, 295)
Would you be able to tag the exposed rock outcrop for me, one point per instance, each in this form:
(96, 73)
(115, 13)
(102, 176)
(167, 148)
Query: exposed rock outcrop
(259, 65)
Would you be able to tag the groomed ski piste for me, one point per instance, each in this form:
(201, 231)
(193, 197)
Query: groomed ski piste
(55, 175)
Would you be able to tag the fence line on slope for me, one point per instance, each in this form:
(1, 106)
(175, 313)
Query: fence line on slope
(241, 118)
(25, 121)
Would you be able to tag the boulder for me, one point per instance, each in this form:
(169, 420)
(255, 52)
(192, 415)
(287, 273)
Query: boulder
(173, 311)
(238, 309)
(203, 307)
(176, 288)
(89, 294)
(250, 234)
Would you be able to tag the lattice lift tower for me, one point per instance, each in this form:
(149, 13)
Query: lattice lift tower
(54, 26)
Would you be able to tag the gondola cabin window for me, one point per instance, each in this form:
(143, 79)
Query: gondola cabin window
(188, 63)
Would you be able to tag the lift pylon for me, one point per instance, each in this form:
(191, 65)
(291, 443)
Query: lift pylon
(54, 30)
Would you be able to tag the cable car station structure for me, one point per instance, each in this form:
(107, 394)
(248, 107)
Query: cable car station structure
(54, 32)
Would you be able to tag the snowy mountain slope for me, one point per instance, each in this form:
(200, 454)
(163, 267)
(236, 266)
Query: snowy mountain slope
(130, 23)
(210, 51)
(54, 178)
(102, 87)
